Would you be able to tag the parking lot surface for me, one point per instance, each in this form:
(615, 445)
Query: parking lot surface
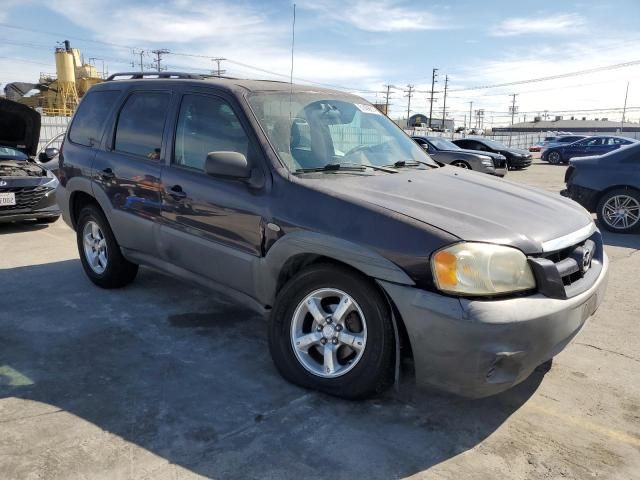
(162, 380)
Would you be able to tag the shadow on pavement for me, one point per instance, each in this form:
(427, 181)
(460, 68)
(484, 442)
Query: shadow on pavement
(187, 376)
(626, 240)
(19, 227)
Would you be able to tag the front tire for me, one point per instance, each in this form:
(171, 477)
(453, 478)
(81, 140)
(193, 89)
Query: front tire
(331, 330)
(619, 210)
(461, 164)
(99, 251)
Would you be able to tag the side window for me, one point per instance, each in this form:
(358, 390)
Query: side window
(91, 116)
(478, 146)
(141, 123)
(206, 124)
(463, 144)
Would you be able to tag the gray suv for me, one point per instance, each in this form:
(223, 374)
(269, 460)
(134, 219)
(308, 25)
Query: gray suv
(316, 210)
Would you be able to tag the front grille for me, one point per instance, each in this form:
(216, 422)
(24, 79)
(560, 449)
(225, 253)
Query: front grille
(26, 198)
(497, 163)
(568, 272)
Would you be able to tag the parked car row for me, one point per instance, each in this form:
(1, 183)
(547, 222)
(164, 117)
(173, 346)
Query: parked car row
(445, 151)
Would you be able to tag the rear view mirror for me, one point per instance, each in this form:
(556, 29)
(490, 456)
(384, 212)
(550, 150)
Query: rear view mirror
(425, 146)
(227, 164)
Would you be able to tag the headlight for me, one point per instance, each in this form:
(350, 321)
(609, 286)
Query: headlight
(481, 269)
(53, 181)
(486, 161)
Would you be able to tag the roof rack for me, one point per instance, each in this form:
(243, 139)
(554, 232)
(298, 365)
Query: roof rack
(151, 75)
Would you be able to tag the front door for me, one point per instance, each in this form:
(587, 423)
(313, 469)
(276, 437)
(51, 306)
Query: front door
(212, 226)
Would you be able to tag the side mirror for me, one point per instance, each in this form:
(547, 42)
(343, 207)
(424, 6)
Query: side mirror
(425, 146)
(227, 164)
(48, 154)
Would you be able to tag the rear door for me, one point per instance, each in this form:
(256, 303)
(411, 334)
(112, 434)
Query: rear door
(127, 173)
(212, 226)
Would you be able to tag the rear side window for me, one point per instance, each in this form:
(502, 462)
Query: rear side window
(141, 123)
(91, 116)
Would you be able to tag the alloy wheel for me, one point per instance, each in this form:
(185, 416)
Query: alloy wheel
(621, 212)
(461, 165)
(328, 333)
(95, 247)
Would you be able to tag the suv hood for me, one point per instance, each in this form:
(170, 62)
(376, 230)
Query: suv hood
(19, 126)
(470, 205)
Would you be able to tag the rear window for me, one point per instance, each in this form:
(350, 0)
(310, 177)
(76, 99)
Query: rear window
(141, 123)
(91, 116)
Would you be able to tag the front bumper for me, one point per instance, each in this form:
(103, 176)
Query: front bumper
(477, 348)
(44, 207)
(520, 162)
(586, 197)
(500, 172)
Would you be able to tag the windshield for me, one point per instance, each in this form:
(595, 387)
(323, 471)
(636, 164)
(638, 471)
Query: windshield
(442, 144)
(7, 153)
(311, 130)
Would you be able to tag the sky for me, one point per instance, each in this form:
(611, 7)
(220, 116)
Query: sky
(359, 46)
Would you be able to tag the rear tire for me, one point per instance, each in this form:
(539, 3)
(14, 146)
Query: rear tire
(619, 210)
(351, 373)
(99, 251)
(555, 158)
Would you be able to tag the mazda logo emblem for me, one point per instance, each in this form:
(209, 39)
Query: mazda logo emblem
(586, 259)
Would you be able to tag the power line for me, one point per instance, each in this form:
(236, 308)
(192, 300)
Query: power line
(552, 77)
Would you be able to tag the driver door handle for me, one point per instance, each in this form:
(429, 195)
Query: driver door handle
(176, 192)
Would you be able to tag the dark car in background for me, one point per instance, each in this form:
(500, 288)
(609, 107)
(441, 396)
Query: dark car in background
(608, 185)
(560, 141)
(589, 146)
(27, 190)
(517, 158)
(445, 151)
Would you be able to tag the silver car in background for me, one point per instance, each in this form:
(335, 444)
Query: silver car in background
(444, 151)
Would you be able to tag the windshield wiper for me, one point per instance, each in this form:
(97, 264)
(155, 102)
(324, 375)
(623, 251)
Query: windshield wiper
(404, 163)
(346, 167)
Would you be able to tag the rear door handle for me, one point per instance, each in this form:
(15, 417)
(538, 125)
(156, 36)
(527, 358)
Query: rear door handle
(177, 192)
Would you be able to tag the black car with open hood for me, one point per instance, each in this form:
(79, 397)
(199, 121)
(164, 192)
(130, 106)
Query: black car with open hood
(27, 190)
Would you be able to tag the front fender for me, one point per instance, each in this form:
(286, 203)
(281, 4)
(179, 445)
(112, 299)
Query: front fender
(361, 258)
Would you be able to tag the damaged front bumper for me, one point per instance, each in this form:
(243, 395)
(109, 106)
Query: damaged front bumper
(477, 348)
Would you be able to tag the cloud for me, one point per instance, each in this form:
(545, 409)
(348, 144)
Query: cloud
(554, 24)
(219, 28)
(379, 15)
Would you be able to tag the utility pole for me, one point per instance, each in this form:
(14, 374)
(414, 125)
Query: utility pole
(141, 53)
(470, 111)
(513, 109)
(624, 109)
(408, 92)
(386, 102)
(444, 102)
(159, 53)
(219, 72)
(433, 81)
